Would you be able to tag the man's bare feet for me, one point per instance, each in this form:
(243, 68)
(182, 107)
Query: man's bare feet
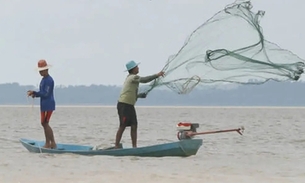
(53, 145)
(47, 146)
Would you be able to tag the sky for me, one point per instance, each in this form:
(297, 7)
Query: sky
(90, 41)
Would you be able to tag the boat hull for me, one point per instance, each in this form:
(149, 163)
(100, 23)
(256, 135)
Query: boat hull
(183, 148)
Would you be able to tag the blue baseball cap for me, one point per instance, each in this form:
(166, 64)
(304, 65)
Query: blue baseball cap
(131, 64)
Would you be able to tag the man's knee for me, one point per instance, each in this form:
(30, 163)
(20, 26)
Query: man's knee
(134, 127)
(44, 124)
(122, 127)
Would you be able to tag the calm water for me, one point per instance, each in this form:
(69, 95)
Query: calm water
(271, 150)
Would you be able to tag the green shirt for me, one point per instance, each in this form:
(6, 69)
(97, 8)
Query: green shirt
(129, 93)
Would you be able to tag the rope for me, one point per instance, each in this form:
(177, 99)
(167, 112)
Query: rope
(32, 112)
(39, 148)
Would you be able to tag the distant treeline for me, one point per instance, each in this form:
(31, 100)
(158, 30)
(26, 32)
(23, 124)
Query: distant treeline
(268, 94)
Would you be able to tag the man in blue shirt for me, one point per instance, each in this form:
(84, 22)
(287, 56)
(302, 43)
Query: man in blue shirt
(47, 102)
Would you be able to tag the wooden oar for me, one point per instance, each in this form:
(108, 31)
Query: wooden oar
(238, 130)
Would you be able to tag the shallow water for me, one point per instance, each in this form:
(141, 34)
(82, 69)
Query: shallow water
(271, 149)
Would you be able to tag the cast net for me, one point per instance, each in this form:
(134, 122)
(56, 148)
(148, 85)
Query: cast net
(228, 48)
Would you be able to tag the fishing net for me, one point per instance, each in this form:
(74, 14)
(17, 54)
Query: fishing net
(228, 48)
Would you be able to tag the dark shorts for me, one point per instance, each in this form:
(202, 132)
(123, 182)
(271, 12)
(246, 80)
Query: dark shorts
(127, 114)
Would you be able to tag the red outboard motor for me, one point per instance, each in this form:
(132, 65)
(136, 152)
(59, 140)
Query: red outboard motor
(183, 129)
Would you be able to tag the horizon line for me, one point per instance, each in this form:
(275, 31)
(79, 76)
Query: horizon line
(144, 106)
(120, 85)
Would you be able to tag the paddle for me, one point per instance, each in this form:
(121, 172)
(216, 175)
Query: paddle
(238, 130)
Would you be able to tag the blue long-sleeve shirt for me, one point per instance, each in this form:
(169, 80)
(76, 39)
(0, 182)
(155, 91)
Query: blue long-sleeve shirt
(46, 88)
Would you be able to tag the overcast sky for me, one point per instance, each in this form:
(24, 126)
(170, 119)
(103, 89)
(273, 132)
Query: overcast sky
(89, 41)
